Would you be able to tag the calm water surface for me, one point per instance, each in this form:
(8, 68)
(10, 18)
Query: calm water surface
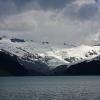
(50, 88)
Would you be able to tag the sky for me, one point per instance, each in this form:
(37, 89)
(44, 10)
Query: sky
(70, 21)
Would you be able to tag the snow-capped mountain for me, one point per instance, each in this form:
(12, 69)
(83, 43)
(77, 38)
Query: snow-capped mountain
(47, 53)
(44, 58)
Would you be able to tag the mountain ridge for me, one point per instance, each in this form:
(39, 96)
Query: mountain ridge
(44, 59)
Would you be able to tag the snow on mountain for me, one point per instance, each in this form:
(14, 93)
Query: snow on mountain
(47, 53)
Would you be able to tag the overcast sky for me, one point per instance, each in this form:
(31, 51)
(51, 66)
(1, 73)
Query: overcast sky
(71, 21)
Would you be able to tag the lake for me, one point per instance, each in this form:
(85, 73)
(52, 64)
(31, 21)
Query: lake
(50, 88)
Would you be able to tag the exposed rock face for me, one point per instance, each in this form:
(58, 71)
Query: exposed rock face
(87, 67)
(91, 67)
(9, 65)
(17, 40)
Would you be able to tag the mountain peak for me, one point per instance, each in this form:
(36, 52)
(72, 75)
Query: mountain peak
(49, 54)
(43, 58)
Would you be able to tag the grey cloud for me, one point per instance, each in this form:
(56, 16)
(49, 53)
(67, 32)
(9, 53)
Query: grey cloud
(8, 7)
(44, 4)
(83, 12)
(88, 11)
(39, 23)
(71, 11)
(53, 4)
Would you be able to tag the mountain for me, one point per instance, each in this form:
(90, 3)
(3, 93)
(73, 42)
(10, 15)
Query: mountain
(20, 57)
(9, 64)
(86, 67)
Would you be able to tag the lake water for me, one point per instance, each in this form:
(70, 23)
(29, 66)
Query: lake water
(50, 88)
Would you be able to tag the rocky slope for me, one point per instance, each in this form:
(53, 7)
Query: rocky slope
(20, 57)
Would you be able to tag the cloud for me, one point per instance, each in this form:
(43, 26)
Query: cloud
(53, 20)
(88, 11)
(82, 10)
(6, 8)
(53, 4)
(13, 6)
(43, 4)
(50, 25)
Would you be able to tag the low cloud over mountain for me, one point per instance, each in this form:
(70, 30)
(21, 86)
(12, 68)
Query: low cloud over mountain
(54, 20)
